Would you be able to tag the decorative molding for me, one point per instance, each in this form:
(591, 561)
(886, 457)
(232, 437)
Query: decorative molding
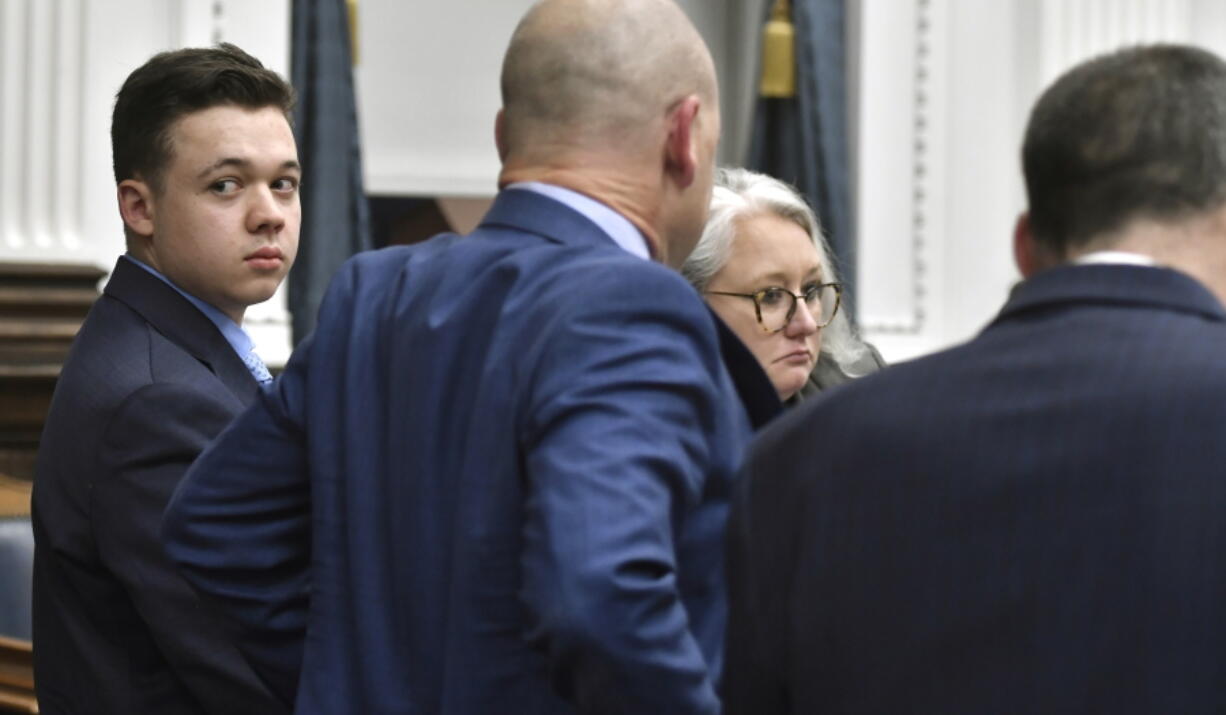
(17, 663)
(37, 99)
(922, 189)
(195, 23)
(68, 190)
(219, 22)
(1073, 30)
(41, 128)
(12, 121)
(42, 306)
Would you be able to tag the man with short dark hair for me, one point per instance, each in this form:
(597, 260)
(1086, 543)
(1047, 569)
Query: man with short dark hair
(1031, 522)
(496, 478)
(207, 176)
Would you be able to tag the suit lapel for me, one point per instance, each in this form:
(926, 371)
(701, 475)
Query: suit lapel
(174, 317)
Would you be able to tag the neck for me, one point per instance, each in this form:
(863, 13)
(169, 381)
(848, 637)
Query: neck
(624, 191)
(1195, 246)
(1207, 264)
(150, 259)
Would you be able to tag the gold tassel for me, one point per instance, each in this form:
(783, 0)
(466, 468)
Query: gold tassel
(779, 54)
(354, 55)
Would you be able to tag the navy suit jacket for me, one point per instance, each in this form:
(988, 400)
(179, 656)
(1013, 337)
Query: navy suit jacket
(149, 381)
(1033, 522)
(494, 480)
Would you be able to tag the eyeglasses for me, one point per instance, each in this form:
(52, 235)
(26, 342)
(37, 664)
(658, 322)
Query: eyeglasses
(776, 306)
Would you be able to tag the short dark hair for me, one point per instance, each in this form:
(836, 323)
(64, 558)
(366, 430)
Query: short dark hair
(1136, 134)
(176, 83)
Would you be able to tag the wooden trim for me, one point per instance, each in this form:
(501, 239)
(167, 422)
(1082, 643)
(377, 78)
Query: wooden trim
(14, 495)
(42, 306)
(17, 676)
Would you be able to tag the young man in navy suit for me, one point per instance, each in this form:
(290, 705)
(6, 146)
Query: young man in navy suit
(496, 479)
(1031, 522)
(207, 180)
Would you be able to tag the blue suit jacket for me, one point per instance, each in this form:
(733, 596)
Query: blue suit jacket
(496, 479)
(1033, 522)
(149, 381)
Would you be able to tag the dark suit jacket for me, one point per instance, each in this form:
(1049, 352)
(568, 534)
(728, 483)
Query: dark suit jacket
(1033, 522)
(149, 381)
(507, 458)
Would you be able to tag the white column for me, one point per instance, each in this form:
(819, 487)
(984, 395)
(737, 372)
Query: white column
(65, 185)
(1074, 30)
(61, 63)
(41, 95)
(12, 124)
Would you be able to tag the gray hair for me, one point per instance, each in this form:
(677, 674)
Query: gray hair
(741, 194)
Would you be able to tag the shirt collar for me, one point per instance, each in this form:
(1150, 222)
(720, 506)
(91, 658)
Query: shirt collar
(618, 227)
(1125, 257)
(234, 334)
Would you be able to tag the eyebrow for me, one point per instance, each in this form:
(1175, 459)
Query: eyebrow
(243, 164)
(777, 278)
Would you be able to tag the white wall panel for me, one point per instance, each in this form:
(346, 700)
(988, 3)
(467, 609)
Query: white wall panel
(428, 88)
(428, 93)
(945, 88)
(1073, 30)
(901, 62)
(985, 111)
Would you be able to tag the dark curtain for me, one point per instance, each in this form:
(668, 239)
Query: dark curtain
(803, 139)
(335, 215)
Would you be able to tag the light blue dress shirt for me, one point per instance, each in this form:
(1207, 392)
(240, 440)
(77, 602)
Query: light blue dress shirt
(619, 228)
(230, 330)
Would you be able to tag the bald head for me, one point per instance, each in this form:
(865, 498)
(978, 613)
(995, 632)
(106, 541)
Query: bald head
(590, 70)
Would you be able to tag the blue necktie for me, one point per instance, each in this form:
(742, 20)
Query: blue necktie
(257, 367)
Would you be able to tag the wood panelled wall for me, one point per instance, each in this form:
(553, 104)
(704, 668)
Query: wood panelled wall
(42, 306)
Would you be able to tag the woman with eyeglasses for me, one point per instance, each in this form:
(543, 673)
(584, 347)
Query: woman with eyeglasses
(764, 268)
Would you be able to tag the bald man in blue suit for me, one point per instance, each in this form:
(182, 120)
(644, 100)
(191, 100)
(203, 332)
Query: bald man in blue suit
(496, 478)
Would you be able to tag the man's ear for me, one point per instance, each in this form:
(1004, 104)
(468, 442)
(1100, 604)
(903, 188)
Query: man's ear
(681, 148)
(500, 134)
(136, 206)
(1027, 253)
